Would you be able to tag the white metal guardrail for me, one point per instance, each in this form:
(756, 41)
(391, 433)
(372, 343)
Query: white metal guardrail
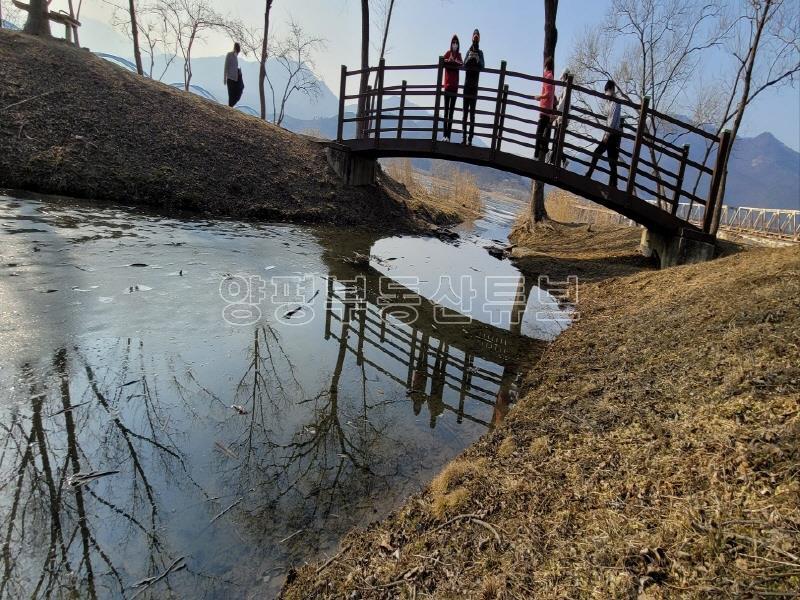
(772, 223)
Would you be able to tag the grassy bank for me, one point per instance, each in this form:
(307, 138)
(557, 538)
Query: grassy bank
(76, 125)
(654, 453)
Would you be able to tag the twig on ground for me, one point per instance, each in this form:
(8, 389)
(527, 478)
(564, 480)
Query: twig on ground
(327, 563)
(27, 100)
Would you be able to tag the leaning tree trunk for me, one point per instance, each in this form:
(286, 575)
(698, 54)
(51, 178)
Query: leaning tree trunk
(75, 16)
(38, 22)
(137, 55)
(362, 89)
(538, 210)
(262, 70)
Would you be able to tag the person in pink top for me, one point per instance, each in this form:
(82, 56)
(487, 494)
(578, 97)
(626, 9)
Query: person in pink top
(547, 100)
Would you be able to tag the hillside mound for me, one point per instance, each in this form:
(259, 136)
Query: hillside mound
(74, 124)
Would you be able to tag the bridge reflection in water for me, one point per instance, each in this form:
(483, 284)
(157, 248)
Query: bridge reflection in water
(450, 363)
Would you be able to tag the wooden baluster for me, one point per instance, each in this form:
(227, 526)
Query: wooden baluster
(368, 113)
(558, 148)
(402, 110)
(502, 124)
(498, 105)
(676, 199)
(342, 94)
(712, 202)
(439, 77)
(637, 147)
(379, 92)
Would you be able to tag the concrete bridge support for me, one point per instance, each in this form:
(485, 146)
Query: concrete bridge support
(684, 248)
(351, 168)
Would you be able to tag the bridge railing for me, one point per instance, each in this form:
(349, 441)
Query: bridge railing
(655, 164)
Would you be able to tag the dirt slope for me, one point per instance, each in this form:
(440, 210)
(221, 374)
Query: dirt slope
(655, 454)
(76, 125)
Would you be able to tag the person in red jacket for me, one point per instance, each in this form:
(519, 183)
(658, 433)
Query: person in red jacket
(452, 63)
(547, 101)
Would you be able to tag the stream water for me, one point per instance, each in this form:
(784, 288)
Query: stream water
(191, 407)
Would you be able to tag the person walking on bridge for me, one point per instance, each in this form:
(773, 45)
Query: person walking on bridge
(452, 63)
(474, 64)
(613, 136)
(547, 101)
(233, 75)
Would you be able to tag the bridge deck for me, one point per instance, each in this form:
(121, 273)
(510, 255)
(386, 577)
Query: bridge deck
(641, 211)
(656, 175)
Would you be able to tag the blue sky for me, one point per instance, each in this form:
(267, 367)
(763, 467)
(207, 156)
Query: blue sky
(421, 30)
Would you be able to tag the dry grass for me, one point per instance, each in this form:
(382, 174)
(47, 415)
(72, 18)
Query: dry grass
(448, 188)
(507, 447)
(568, 208)
(663, 447)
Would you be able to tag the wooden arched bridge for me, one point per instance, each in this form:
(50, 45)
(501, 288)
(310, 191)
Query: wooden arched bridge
(664, 162)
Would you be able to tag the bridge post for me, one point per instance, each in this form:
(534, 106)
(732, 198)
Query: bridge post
(439, 77)
(637, 146)
(402, 110)
(498, 105)
(558, 147)
(378, 116)
(369, 103)
(502, 124)
(714, 202)
(342, 93)
(679, 181)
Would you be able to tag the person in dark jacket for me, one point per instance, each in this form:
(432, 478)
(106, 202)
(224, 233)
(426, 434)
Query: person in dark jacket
(452, 63)
(613, 136)
(473, 64)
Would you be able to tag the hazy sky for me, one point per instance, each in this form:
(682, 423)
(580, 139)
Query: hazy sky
(421, 30)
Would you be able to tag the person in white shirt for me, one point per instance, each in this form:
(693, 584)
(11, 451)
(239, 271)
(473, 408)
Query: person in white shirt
(613, 136)
(233, 76)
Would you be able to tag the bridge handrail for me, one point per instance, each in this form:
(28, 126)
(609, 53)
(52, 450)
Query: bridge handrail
(655, 157)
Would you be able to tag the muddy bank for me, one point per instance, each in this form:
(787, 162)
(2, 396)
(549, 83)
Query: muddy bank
(654, 453)
(76, 125)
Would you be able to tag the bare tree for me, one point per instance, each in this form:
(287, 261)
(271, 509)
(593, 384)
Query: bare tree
(256, 42)
(538, 211)
(295, 54)
(385, 10)
(137, 55)
(362, 88)
(766, 53)
(38, 22)
(189, 21)
(652, 48)
(262, 61)
(157, 36)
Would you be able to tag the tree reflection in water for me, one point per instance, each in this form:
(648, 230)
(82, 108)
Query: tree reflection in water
(309, 453)
(62, 537)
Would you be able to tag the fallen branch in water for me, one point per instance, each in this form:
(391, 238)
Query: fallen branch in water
(288, 537)
(79, 479)
(226, 510)
(150, 581)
